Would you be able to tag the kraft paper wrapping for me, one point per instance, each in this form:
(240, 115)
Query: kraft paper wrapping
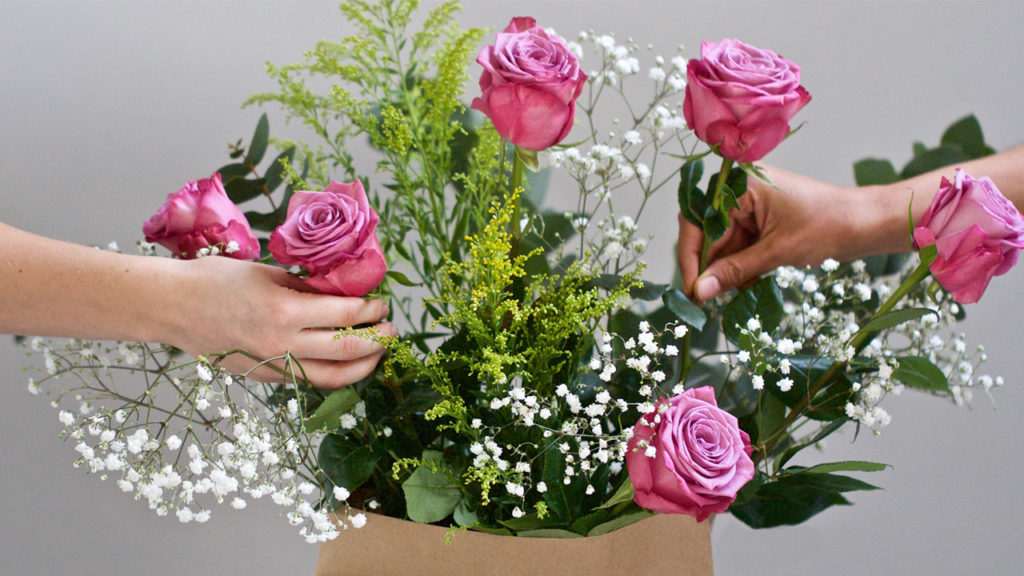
(661, 545)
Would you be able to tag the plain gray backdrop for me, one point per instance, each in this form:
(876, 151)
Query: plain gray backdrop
(105, 107)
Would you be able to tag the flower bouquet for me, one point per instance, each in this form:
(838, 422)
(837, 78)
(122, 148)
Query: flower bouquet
(540, 386)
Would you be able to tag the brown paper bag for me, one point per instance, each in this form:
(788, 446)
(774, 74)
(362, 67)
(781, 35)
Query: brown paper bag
(662, 545)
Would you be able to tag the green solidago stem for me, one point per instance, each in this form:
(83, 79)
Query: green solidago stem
(716, 202)
(860, 339)
(518, 185)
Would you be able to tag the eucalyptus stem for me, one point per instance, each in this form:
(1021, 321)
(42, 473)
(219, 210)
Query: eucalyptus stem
(859, 340)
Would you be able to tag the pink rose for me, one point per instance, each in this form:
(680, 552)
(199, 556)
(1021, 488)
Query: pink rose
(742, 98)
(693, 461)
(976, 231)
(332, 234)
(529, 85)
(201, 215)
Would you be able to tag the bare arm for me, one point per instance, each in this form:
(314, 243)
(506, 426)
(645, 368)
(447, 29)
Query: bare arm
(215, 304)
(801, 221)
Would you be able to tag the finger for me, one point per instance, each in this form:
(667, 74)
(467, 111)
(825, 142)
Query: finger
(323, 311)
(317, 372)
(691, 239)
(339, 346)
(332, 375)
(734, 270)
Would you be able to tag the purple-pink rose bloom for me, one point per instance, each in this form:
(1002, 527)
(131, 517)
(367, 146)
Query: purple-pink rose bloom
(976, 231)
(332, 234)
(529, 85)
(742, 98)
(201, 215)
(700, 458)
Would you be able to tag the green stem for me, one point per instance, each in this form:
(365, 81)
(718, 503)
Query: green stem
(716, 202)
(518, 186)
(859, 340)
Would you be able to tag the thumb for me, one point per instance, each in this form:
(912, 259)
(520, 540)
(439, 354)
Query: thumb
(732, 271)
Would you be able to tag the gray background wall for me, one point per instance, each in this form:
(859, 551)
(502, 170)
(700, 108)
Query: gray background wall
(105, 107)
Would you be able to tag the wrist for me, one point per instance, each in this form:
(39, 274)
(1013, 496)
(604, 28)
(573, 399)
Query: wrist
(880, 218)
(158, 312)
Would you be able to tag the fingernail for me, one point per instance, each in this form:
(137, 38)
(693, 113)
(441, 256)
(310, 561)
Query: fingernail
(707, 288)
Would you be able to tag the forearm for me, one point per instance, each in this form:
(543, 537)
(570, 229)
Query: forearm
(54, 288)
(883, 229)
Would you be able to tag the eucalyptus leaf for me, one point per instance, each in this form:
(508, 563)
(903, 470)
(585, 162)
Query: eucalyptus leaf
(232, 171)
(431, 496)
(258, 145)
(464, 515)
(275, 172)
(327, 415)
(241, 190)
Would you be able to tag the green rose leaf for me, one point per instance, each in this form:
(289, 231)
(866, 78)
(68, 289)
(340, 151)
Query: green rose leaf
(623, 494)
(346, 463)
(692, 200)
(922, 374)
(895, 318)
(763, 299)
(847, 466)
(793, 498)
(874, 171)
(620, 522)
(931, 160)
(684, 309)
(966, 134)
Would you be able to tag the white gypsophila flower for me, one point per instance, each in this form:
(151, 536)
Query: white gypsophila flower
(66, 418)
(632, 137)
(830, 265)
(657, 74)
(785, 384)
(680, 331)
(348, 421)
(758, 382)
(204, 372)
